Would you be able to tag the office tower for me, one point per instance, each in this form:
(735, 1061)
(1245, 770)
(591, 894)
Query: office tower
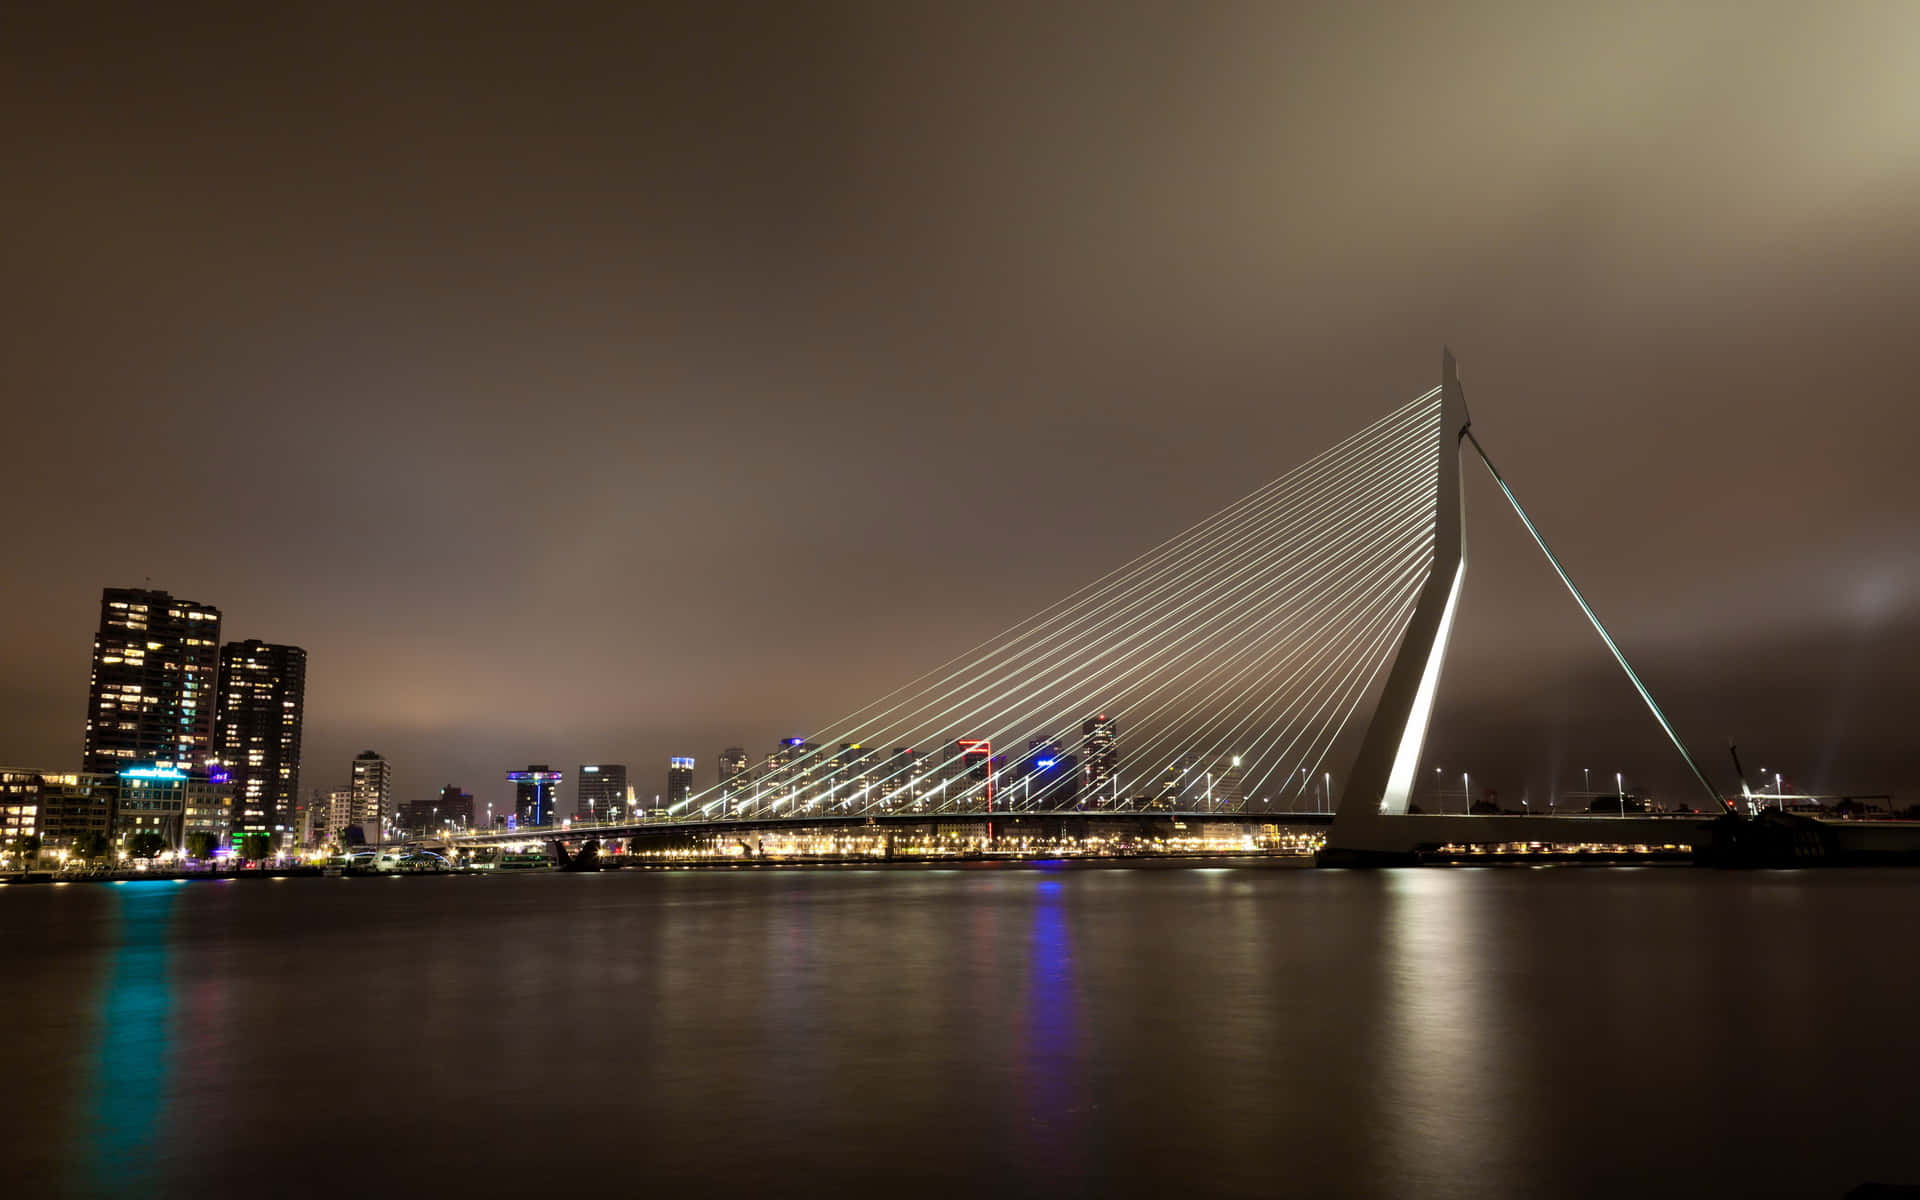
(152, 799)
(679, 781)
(1100, 760)
(602, 794)
(734, 777)
(435, 815)
(257, 734)
(151, 698)
(973, 784)
(1047, 778)
(372, 790)
(416, 818)
(456, 807)
(534, 791)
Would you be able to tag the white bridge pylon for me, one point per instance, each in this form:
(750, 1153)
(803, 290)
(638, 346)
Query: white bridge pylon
(1380, 784)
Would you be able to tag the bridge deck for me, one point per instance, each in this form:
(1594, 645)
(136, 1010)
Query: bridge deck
(1003, 820)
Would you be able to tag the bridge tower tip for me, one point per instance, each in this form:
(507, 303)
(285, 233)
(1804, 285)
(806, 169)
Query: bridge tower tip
(1449, 370)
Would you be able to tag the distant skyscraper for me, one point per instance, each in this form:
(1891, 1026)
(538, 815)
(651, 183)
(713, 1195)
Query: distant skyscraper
(372, 793)
(257, 734)
(534, 791)
(734, 777)
(1100, 760)
(602, 794)
(900, 778)
(679, 781)
(151, 698)
(849, 775)
(1047, 776)
(788, 774)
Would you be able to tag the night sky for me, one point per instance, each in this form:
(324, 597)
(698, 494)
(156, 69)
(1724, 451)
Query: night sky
(595, 385)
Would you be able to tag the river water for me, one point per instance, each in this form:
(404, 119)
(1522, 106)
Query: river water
(1249, 1030)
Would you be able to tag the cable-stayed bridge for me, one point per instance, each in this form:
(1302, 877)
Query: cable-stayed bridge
(1277, 660)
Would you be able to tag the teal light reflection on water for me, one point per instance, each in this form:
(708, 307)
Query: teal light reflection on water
(129, 1062)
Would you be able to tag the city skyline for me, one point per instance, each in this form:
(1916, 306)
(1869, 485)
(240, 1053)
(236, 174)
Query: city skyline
(815, 404)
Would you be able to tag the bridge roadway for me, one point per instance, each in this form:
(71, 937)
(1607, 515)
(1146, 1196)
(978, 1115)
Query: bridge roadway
(1401, 838)
(1031, 819)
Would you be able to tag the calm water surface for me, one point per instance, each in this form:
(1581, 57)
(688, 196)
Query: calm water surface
(1254, 1031)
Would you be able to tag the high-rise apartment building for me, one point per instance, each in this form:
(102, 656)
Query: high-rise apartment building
(787, 777)
(1100, 760)
(372, 793)
(339, 814)
(679, 781)
(262, 695)
(150, 702)
(534, 792)
(601, 793)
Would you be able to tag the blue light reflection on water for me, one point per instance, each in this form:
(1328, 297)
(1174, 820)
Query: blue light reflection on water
(131, 1059)
(1054, 1052)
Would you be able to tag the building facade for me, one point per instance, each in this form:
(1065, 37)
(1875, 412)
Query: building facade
(1100, 761)
(679, 781)
(20, 804)
(601, 792)
(456, 806)
(150, 699)
(372, 793)
(262, 694)
(339, 815)
(734, 778)
(534, 792)
(75, 806)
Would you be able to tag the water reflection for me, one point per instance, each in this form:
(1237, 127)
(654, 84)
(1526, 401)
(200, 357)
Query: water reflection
(118, 1140)
(979, 1032)
(1052, 1077)
(1438, 1124)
